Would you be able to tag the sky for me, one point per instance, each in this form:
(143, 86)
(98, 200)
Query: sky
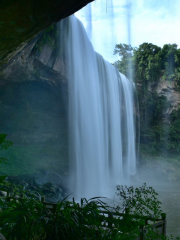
(110, 22)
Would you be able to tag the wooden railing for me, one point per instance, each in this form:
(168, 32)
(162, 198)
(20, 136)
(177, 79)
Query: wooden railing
(159, 224)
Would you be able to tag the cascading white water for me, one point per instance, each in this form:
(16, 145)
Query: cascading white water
(101, 121)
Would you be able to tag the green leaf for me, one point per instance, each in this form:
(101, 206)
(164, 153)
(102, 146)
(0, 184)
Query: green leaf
(3, 160)
(2, 178)
(2, 138)
(12, 214)
(1, 203)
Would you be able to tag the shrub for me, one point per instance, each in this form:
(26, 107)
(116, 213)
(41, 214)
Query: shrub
(30, 219)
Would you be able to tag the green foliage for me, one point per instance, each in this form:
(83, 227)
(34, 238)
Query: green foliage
(19, 219)
(48, 37)
(23, 160)
(140, 201)
(123, 50)
(153, 132)
(29, 219)
(160, 137)
(2, 138)
(168, 57)
(147, 58)
(126, 53)
(4, 145)
(145, 61)
(171, 62)
(150, 63)
(174, 131)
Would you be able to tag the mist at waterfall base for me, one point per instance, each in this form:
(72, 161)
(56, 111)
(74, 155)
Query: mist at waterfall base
(101, 119)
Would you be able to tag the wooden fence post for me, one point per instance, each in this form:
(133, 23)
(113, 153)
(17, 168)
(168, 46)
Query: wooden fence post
(109, 220)
(142, 232)
(127, 210)
(54, 208)
(146, 222)
(163, 215)
(42, 199)
(22, 196)
(8, 197)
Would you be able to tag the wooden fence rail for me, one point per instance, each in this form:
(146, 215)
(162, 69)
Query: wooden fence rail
(107, 217)
(160, 224)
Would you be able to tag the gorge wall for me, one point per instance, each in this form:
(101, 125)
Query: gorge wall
(167, 88)
(37, 65)
(159, 113)
(156, 73)
(33, 111)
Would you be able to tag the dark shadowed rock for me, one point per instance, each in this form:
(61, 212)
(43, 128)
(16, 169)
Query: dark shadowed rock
(21, 21)
(33, 113)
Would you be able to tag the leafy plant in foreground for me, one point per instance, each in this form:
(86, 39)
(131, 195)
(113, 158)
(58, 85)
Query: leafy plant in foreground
(140, 202)
(29, 219)
(22, 219)
(4, 145)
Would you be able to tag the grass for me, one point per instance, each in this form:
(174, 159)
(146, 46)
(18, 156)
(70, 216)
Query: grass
(30, 159)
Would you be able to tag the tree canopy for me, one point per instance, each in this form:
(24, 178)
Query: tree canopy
(149, 62)
(146, 65)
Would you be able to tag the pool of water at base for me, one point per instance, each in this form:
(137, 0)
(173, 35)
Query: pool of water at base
(170, 198)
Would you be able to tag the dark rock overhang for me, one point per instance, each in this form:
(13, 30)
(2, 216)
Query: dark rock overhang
(21, 21)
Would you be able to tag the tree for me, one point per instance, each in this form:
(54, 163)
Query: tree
(125, 65)
(148, 62)
(123, 50)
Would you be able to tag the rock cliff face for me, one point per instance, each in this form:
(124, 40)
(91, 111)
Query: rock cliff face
(169, 90)
(33, 112)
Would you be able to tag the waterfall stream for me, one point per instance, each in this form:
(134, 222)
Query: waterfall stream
(101, 119)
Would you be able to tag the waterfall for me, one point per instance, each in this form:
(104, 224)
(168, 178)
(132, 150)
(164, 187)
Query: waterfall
(101, 120)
